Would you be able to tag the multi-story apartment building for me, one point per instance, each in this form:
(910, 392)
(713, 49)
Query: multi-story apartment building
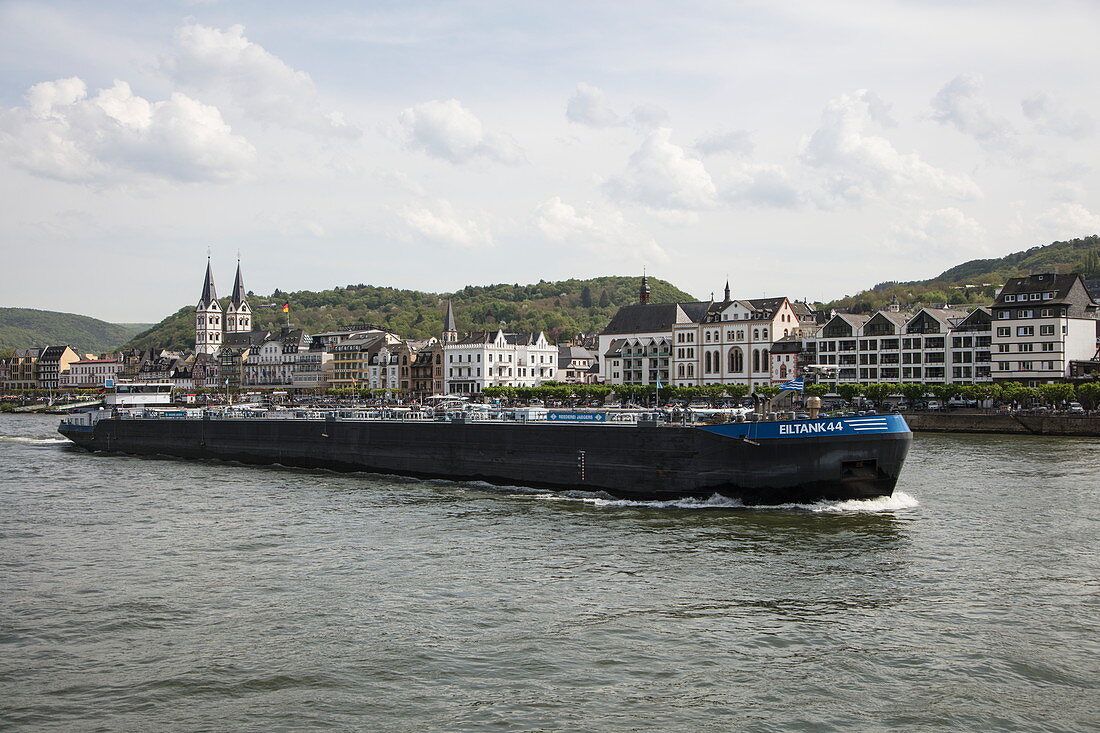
(368, 361)
(971, 348)
(691, 344)
(1041, 323)
(891, 346)
(53, 365)
(272, 364)
(21, 370)
(486, 359)
(426, 371)
(92, 373)
(575, 365)
(731, 342)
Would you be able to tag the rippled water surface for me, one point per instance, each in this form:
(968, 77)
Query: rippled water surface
(146, 594)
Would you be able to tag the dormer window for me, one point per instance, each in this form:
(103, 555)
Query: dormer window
(1010, 298)
(1048, 296)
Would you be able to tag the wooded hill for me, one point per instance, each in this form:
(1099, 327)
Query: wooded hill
(560, 309)
(22, 328)
(976, 282)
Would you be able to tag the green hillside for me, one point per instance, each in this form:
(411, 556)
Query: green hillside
(560, 309)
(22, 328)
(976, 282)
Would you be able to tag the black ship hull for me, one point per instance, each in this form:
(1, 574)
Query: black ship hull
(643, 462)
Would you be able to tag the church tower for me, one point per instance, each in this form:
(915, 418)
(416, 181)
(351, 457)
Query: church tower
(208, 317)
(644, 290)
(238, 316)
(450, 329)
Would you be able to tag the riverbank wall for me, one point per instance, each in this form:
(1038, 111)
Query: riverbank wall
(962, 422)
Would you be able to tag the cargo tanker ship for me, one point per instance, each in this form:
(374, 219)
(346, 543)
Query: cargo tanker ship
(628, 456)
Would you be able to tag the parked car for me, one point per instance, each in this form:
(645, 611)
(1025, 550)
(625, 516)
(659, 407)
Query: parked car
(1075, 408)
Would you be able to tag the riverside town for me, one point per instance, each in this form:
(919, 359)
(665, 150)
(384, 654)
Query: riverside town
(1034, 348)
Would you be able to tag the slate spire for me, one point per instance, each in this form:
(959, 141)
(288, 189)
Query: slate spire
(238, 287)
(209, 294)
(727, 290)
(449, 325)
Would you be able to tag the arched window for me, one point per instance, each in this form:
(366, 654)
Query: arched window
(737, 360)
(786, 332)
(764, 333)
(706, 359)
(782, 371)
(691, 370)
(756, 360)
(680, 370)
(764, 359)
(756, 334)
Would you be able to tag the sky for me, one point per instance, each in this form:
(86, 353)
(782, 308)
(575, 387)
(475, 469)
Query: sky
(802, 148)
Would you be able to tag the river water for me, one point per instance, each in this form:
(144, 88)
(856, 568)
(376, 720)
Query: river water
(159, 594)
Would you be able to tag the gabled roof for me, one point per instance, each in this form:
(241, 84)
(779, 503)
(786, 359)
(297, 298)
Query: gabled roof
(643, 318)
(52, 353)
(478, 337)
(1046, 282)
(568, 353)
(944, 316)
(897, 319)
(245, 339)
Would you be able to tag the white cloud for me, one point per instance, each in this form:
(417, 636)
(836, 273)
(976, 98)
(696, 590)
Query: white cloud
(735, 142)
(1053, 118)
(662, 176)
(862, 166)
(596, 229)
(761, 184)
(449, 131)
(588, 106)
(265, 87)
(960, 104)
(65, 135)
(444, 225)
(1067, 221)
(940, 232)
(649, 116)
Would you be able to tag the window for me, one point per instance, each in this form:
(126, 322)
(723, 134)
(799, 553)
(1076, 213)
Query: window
(1003, 315)
(1026, 366)
(1010, 298)
(1002, 348)
(1048, 346)
(1046, 330)
(1025, 330)
(1004, 331)
(1027, 347)
(1046, 313)
(1048, 296)
(1036, 296)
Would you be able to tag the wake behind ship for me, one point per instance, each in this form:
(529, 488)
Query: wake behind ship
(629, 456)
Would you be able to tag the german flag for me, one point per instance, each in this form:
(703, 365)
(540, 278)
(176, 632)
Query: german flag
(286, 307)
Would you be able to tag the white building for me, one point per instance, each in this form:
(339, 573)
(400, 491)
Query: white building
(700, 343)
(1040, 324)
(731, 343)
(92, 373)
(486, 359)
(273, 363)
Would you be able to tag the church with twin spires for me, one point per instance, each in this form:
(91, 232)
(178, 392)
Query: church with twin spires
(212, 323)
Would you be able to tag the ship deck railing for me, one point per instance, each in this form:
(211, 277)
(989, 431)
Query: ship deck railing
(384, 414)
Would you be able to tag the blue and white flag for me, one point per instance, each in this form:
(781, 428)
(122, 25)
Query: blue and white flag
(795, 385)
